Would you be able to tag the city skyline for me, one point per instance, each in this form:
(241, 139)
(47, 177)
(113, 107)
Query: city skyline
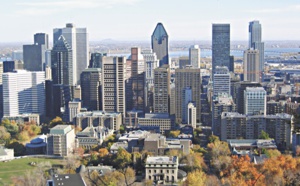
(191, 20)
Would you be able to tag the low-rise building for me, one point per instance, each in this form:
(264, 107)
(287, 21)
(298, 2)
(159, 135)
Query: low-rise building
(6, 154)
(164, 121)
(162, 169)
(61, 140)
(66, 180)
(159, 145)
(22, 118)
(37, 146)
(110, 120)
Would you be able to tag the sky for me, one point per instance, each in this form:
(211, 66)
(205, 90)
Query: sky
(135, 20)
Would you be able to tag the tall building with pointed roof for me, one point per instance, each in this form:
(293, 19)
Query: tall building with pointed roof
(62, 64)
(160, 44)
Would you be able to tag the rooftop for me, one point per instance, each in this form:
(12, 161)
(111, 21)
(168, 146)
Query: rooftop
(161, 159)
(61, 129)
(68, 180)
(97, 113)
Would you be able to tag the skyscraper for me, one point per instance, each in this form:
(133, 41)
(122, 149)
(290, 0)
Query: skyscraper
(113, 84)
(251, 65)
(62, 65)
(151, 63)
(220, 46)
(160, 44)
(255, 42)
(188, 77)
(221, 83)
(77, 39)
(255, 101)
(135, 83)
(34, 55)
(23, 92)
(162, 89)
(194, 56)
(91, 88)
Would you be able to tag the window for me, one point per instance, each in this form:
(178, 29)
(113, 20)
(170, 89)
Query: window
(149, 171)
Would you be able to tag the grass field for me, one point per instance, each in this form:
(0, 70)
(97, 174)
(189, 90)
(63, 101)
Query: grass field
(19, 167)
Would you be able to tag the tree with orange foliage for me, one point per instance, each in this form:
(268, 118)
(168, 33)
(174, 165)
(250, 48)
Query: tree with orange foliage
(103, 152)
(242, 172)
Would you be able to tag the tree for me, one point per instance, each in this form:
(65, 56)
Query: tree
(23, 136)
(4, 135)
(196, 178)
(122, 129)
(174, 133)
(11, 127)
(129, 175)
(272, 153)
(193, 161)
(19, 148)
(264, 135)
(56, 121)
(103, 152)
(122, 159)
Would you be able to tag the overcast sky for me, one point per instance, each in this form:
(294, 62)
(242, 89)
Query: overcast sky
(136, 19)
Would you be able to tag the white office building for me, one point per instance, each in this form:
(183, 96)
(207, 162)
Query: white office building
(221, 83)
(23, 92)
(151, 63)
(255, 99)
(77, 39)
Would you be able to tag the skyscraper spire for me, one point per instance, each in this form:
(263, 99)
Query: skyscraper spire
(160, 44)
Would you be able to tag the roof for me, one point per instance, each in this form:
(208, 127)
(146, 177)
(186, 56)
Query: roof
(159, 33)
(61, 129)
(68, 180)
(161, 159)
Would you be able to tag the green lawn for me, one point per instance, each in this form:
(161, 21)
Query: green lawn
(19, 167)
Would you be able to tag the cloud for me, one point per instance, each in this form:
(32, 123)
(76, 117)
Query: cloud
(50, 7)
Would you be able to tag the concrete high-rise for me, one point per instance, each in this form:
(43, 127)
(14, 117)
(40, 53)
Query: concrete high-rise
(34, 55)
(221, 83)
(113, 84)
(160, 44)
(135, 82)
(90, 82)
(188, 77)
(220, 46)
(255, 42)
(77, 39)
(194, 56)
(62, 65)
(23, 92)
(151, 63)
(255, 101)
(251, 65)
(162, 89)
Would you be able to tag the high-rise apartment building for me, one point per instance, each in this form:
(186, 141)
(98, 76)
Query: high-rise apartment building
(34, 55)
(62, 64)
(191, 115)
(188, 77)
(135, 82)
(255, 101)
(113, 84)
(90, 82)
(221, 83)
(251, 65)
(255, 42)
(23, 92)
(77, 39)
(220, 46)
(194, 56)
(160, 44)
(162, 89)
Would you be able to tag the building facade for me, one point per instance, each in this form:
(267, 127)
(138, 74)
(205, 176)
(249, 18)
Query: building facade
(113, 84)
(162, 89)
(194, 56)
(61, 140)
(188, 77)
(23, 92)
(221, 81)
(77, 39)
(251, 65)
(255, 42)
(220, 46)
(255, 101)
(90, 82)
